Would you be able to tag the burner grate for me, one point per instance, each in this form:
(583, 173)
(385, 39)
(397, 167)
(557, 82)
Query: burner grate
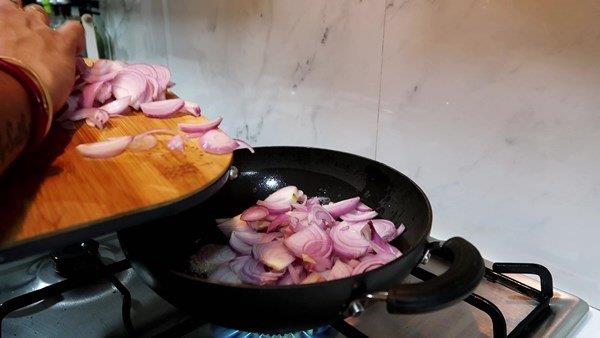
(496, 275)
(106, 272)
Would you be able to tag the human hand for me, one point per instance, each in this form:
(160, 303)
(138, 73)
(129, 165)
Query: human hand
(51, 54)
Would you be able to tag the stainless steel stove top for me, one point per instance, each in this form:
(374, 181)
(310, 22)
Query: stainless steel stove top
(95, 310)
(464, 320)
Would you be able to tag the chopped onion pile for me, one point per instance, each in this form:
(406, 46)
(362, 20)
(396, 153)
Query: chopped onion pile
(290, 238)
(110, 88)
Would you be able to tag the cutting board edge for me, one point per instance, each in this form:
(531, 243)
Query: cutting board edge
(53, 240)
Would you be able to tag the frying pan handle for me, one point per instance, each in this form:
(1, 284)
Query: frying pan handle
(461, 278)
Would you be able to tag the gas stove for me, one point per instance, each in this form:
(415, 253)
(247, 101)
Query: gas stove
(90, 290)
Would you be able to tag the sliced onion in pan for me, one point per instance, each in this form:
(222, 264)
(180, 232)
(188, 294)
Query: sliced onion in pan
(400, 229)
(277, 221)
(237, 263)
(318, 215)
(359, 216)
(281, 200)
(370, 262)
(238, 245)
(312, 201)
(342, 207)
(316, 263)
(298, 214)
(310, 243)
(287, 194)
(314, 277)
(242, 241)
(380, 245)
(254, 213)
(297, 272)
(348, 241)
(297, 206)
(259, 225)
(210, 256)
(276, 207)
(339, 270)
(224, 275)
(353, 263)
(363, 207)
(233, 224)
(386, 229)
(301, 197)
(250, 237)
(273, 254)
(254, 272)
(286, 279)
(296, 225)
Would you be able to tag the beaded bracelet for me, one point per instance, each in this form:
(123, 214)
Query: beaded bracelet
(39, 98)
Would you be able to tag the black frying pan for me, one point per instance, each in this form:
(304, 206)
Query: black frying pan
(160, 250)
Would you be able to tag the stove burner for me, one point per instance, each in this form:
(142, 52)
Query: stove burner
(77, 259)
(31, 275)
(321, 332)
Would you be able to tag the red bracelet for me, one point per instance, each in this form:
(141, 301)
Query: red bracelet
(39, 100)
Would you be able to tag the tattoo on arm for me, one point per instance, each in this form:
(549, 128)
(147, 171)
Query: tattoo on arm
(13, 134)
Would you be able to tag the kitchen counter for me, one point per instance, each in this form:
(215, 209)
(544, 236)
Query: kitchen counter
(589, 326)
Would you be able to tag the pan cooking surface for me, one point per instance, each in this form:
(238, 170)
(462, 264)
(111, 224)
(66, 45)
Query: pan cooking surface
(318, 185)
(252, 185)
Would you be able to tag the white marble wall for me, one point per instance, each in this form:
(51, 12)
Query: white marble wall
(282, 72)
(491, 106)
(136, 28)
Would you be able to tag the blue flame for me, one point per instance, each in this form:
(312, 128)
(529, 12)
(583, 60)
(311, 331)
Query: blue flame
(222, 332)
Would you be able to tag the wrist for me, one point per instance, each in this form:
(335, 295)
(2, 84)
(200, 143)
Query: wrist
(40, 102)
(15, 120)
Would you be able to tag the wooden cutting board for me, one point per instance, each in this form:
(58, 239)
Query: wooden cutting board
(58, 196)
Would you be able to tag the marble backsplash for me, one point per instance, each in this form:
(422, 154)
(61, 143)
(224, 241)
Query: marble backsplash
(490, 106)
